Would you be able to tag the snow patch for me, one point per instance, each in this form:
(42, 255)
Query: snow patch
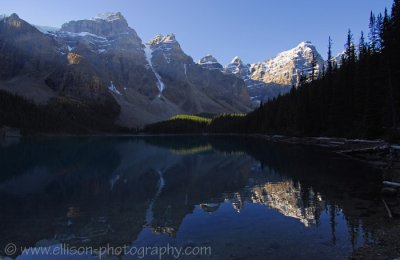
(113, 89)
(84, 34)
(149, 56)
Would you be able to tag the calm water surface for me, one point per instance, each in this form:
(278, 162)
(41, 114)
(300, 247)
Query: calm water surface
(243, 198)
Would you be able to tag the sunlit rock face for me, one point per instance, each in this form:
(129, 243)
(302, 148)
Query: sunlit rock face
(73, 58)
(287, 67)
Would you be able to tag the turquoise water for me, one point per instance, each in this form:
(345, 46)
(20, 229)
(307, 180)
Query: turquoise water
(239, 198)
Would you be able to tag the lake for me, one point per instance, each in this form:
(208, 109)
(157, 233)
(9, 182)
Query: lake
(221, 197)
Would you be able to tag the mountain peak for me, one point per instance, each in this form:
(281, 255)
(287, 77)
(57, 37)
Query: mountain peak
(208, 59)
(104, 25)
(210, 62)
(109, 16)
(13, 16)
(158, 39)
(237, 60)
(15, 22)
(238, 68)
(305, 43)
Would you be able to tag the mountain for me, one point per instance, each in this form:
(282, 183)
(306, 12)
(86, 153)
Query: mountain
(287, 67)
(337, 60)
(238, 68)
(210, 63)
(268, 79)
(102, 61)
(259, 91)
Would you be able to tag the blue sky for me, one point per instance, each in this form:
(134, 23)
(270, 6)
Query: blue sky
(252, 29)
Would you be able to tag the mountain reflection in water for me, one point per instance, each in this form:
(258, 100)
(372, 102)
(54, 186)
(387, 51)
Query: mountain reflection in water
(242, 196)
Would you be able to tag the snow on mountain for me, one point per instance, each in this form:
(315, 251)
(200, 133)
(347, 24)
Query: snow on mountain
(109, 16)
(288, 66)
(100, 34)
(210, 62)
(149, 56)
(259, 91)
(238, 68)
(166, 44)
(113, 89)
(159, 39)
(337, 60)
(97, 43)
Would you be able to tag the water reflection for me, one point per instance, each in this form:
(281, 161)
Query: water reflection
(150, 190)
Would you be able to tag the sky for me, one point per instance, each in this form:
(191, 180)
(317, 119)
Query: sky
(254, 30)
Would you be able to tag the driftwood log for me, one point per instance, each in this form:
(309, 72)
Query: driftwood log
(392, 184)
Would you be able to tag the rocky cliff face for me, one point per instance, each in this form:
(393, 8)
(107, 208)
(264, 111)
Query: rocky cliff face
(191, 86)
(287, 67)
(259, 90)
(102, 59)
(19, 52)
(106, 25)
(210, 63)
(238, 68)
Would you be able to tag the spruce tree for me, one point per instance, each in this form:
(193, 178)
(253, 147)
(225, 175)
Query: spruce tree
(378, 32)
(330, 65)
(372, 32)
(350, 51)
(362, 47)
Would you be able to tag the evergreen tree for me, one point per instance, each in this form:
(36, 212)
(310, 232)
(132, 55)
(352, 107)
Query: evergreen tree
(362, 47)
(372, 33)
(385, 30)
(350, 51)
(330, 65)
(378, 32)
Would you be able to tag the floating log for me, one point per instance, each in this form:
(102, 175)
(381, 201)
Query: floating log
(392, 184)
